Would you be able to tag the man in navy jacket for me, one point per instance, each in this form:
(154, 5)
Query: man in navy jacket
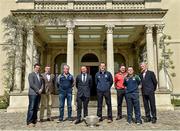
(149, 84)
(104, 81)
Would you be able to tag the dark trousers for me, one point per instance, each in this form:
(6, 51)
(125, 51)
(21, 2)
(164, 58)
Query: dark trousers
(120, 97)
(150, 105)
(82, 101)
(107, 95)
(62, 97)
(33, 107)
(132, 100)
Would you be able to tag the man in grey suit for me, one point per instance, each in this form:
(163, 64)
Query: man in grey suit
(83, 85)
(35, 90)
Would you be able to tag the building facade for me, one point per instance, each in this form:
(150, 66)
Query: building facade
(80, 32)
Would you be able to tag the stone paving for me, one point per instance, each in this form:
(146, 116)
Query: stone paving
(167, 120)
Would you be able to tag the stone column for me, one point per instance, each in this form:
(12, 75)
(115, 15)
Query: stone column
(70, 48)
(110, 49)
(18, 65)
(35, 55)
(150, 47)
(29, 58)
(161, 72)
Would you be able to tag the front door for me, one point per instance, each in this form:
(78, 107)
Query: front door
(92, 70)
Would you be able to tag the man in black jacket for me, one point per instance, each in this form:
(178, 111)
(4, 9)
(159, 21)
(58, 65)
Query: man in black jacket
(83, 84)
(149, 84)
(104, 82)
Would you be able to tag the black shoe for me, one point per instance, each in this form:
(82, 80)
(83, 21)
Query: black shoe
(77, 121)
(70, 119)
(119, 117)
(147, 119)
(41, 120)
(139, 122)
(60, 120)
(49, 119)
(110, 120)
(153, 120)
(100, 119)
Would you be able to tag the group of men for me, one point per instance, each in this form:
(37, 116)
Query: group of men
(42, 87)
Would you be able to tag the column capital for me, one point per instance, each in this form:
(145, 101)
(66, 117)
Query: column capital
(149, 28)
(70, 28)
(110, 28)
(159, 28)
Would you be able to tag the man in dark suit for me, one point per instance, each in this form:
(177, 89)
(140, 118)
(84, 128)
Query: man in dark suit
(83, 85)
(34, 95)
(149, 84)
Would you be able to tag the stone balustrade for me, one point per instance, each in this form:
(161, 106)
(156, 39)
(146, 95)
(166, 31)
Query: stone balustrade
(84, 5)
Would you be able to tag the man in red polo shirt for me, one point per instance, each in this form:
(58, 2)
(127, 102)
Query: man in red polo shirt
(119, 85)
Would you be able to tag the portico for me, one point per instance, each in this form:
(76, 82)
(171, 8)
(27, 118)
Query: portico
(112, 34)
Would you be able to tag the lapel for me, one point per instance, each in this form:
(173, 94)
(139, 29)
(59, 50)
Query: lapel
(147, 74)
(39, 80)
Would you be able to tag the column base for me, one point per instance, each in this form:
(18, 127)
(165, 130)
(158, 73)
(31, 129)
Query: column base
(163, 99)
(19, 102)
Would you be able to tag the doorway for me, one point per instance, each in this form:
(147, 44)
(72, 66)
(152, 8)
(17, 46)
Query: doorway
(92, 70)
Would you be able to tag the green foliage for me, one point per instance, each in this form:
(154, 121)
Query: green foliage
(4, 101)
(166, 62)
(175, 102)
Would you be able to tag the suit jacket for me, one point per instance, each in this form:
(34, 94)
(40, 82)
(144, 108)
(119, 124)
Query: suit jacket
(34, 84)
(149, 83)
(49, 86)
(83, 88)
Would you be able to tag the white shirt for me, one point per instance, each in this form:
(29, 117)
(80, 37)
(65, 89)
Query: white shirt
(48, 76)
(83, 77)
(144, 73)
(37, 74)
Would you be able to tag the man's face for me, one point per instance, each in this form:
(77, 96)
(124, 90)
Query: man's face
(66, 69)
(102, 67)
(47, 69)
(122, 69)
(130, 71)
(143, 67)
(37, 69)
(83, 69)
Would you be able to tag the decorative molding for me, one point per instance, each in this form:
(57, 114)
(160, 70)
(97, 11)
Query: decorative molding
(159, 28)
(110, 28)
(149, 28)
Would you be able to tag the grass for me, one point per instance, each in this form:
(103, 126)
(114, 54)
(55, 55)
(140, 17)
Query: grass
(175, 102)
(3, 102)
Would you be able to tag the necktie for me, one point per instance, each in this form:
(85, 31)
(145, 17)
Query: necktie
(84, 78)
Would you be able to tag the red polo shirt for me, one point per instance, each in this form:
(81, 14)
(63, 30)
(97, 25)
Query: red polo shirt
(119, 80)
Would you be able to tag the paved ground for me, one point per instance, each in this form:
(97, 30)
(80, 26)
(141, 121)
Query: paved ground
(166, 120)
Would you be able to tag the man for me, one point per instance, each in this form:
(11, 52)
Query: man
(35, 90)
(65, 84)
(132, 96)
(48, 91)
(83, 84)
(104, 81)
(120, 88)
(149, 84)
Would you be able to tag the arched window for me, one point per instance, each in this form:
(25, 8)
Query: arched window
(118, 60)
(59, 61)
(89, 58)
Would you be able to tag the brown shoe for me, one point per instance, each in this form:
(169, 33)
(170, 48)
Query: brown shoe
(109, 121)
(31, 125)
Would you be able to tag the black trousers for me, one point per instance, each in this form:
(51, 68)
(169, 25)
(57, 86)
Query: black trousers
(107, 95)
(149, 105)
(120, 97)
(82, 101)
